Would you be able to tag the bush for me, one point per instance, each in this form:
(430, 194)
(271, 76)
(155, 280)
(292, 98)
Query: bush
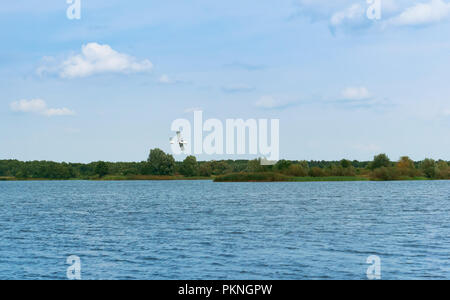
(189, 167)
(297, 170)
(428, 167)
(443, 170)
(161, 163)
(406, 167)
(316, 172)
(282, 165)
(345, 163)
(101, 169)
(379, 161)
(253, 177)
(385, 174)
(205, 169)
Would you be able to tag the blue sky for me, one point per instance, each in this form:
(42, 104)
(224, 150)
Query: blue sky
(108, 86)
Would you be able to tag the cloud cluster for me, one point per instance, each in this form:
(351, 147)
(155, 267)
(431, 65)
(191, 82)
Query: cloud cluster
(95, 59)
(423, 14)
(38, 106)
(352, 14)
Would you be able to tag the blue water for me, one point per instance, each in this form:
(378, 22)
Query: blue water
(205, 230)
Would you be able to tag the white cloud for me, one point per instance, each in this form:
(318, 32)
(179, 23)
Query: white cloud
(423, 14)
(38, 106)
(95, 59)
(164, 79)
(50, 112)
(355, 93)
(319, 9)
(354, 13)
(33, 106)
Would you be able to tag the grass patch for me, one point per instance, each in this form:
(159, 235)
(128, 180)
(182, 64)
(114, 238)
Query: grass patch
(414, 178)
(151, 177)
(253, 177)
(112, 178)
(330, 178)
(277, 177)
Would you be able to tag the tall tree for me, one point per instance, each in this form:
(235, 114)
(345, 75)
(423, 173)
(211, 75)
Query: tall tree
(379, 161)
(161, 163)
(428, 167)
(345, 163)
(406, 167)
(101, 169)
(189, 167)
(283, 165)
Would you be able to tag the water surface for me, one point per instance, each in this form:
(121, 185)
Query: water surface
(206, 230)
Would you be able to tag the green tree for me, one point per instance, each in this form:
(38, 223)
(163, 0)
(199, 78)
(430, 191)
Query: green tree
(298, 170)
(220, 167)
(205, 169)
(443, 170)
(385, 173)
(101, 169)
(282, 165)
(189, 167)
(379, 161)
(406, 167)
(345, 163)
(316, 172)
(254, 166)
(161, 163)
(428, 167)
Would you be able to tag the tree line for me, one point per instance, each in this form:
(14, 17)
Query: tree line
(160, 163)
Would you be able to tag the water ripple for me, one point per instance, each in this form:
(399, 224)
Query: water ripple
(203, 230)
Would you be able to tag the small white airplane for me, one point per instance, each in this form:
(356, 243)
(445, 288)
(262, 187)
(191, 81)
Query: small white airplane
(179, 140)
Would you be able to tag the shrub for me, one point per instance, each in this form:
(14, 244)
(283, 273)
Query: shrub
(316, 172)
(379, 161)
(161, 163)
(297, 170)
(189, 167)
(406, 167)
(252, 177)
(385, 174)
(205, 169)
(101, 169)
(443, 170)
(282, 165)
(428, 167)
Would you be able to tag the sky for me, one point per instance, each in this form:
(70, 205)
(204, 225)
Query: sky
(108, 86)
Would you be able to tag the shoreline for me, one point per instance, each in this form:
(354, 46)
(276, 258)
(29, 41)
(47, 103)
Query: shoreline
(225, 180)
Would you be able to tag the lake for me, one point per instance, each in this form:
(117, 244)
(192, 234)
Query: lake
(206, 230)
